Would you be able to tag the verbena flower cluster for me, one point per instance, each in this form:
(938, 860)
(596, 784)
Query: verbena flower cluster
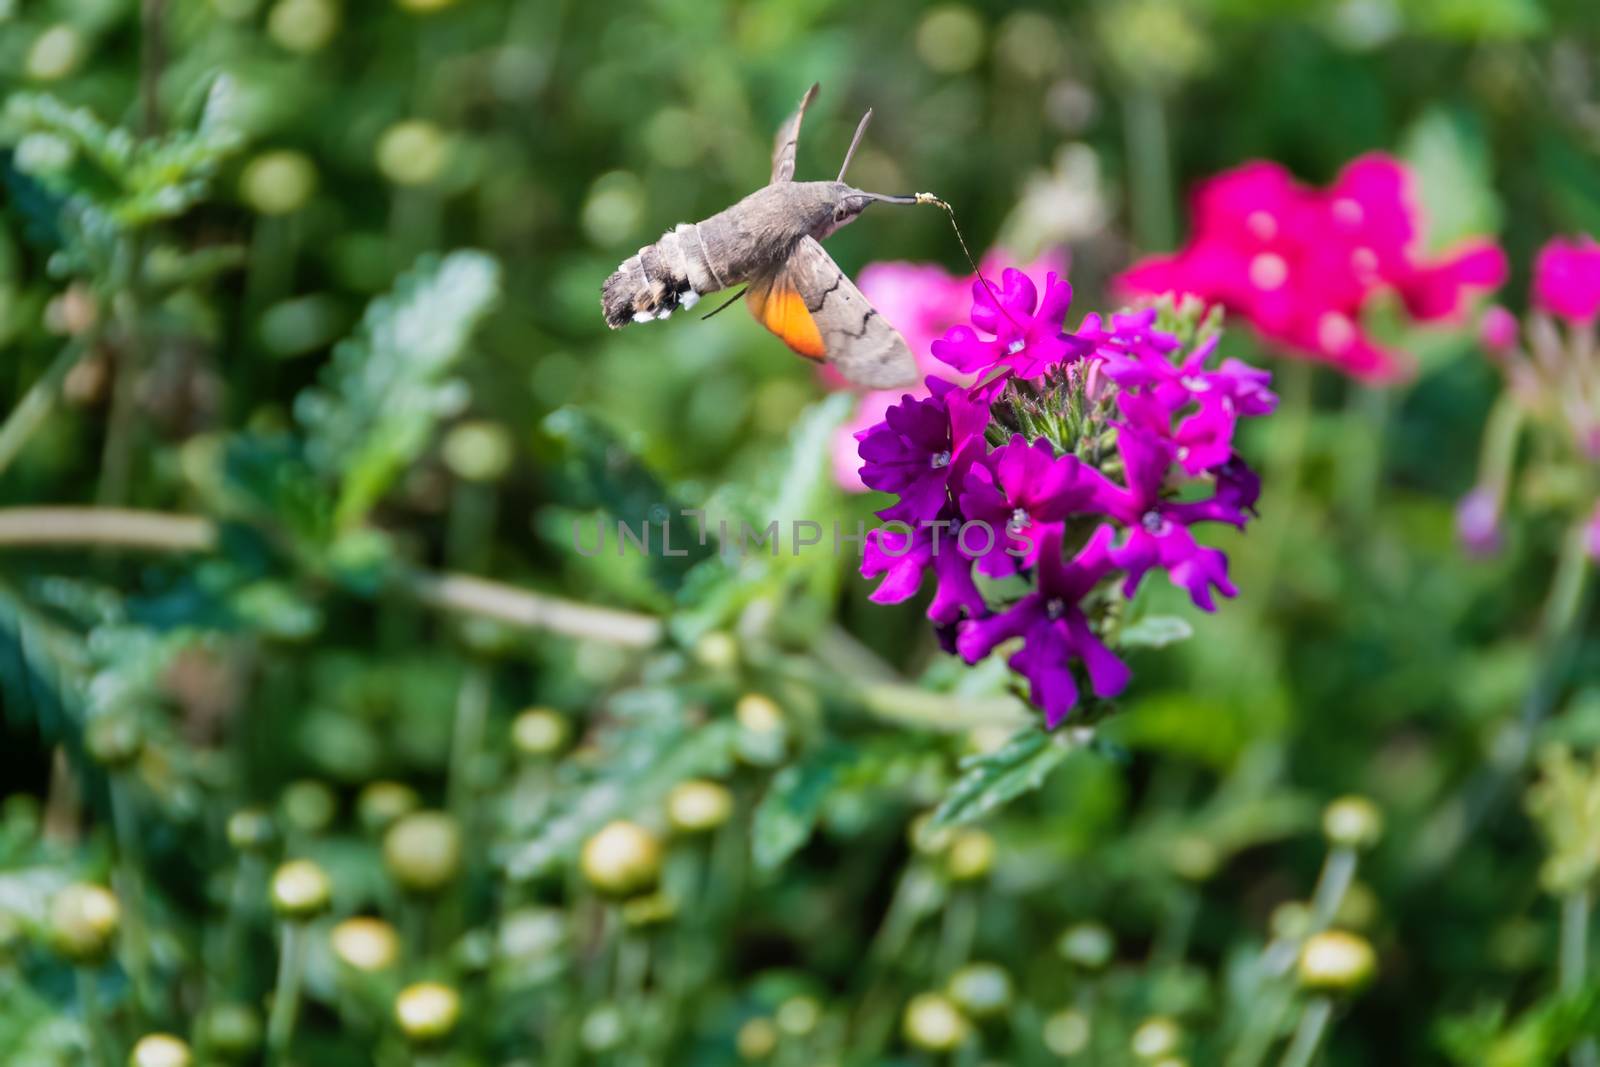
(1301, 264)
(1072, 466)
(1552, 375)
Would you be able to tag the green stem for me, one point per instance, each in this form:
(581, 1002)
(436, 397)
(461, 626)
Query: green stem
(286, 992)
(130, 887)
(1149, 169)
(1282, 479)
(958, 931)
(1338, 871)
(1574, 961)
(1361, 456)
(116, 461)
(93, 1022)
(1308, 1035)
(37, 403)
(466, 743)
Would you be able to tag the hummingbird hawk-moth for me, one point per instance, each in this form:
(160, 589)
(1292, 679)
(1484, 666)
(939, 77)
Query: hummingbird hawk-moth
(769, 240)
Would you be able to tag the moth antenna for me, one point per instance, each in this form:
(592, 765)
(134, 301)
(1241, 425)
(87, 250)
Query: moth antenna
(861, 128)
(725, 305)
(929, 198)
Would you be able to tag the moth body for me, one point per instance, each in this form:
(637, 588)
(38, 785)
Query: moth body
(769, 242)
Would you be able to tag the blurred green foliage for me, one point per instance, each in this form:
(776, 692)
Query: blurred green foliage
(325, 275)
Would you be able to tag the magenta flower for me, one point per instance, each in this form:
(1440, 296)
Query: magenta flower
(1592, 533)
(1498, 331)
(917, 448)
(1566, 279)
(1157, 529)
(904, 554)
(1027, 341)
(1054, 630)
(1478, 521)
(1301, 264)
(1015, 492)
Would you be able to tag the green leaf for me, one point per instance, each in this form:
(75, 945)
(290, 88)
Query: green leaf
(1155, 631)
(388, 386)
(994, 779)
(1447, 151)
(787, 815)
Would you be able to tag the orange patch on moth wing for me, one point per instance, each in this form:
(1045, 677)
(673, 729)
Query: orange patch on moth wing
(781, 309)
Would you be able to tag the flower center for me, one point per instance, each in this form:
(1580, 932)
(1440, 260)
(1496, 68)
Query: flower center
(1268, 271)
(1195, 384)
(1016, 346)
(1019, 521)
(1348, 211)
(1153, 522)
(1055, 607)
(939, 460)
(1262, 224)
(1335, 332)
(1364, 260)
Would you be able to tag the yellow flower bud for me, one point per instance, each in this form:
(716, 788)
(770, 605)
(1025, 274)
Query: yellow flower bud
(160, 1050)
(698, 806)
(232, 1030)
(717, 651)
(382, 802)
(413, 152)
(757, 1039)
(1336, 961)
(478, 451)
(603, 1029)
(365, 944)
(1352, 822)
(300, 890)
(303, 26)
(622, 860)
(924, 839)
(759, 714)
(423, 851)
(279, 182)
(83, 922)
(1067, 1032)
(1156, 1038)
(56, 53)
(251, 830)
(1087, 944)
(982, 990)
(799, 1015)
(933, 1023)
(113, 739)
(539, 732)
(971, 855)
(309, 805)
(427, 1011)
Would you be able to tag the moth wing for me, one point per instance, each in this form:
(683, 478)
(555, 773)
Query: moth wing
(818, 312)
(788, 140)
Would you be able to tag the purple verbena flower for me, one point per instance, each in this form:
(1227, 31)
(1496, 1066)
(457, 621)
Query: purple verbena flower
(1017, 490)
(915, 450)
(1025, 341)
(903, 553)
(1054, 629)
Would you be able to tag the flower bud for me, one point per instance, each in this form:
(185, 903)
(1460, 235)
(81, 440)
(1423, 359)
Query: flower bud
(427, 1011)
(971, 855)
(309, 806)
(56, 53)
(982, 990)
(717, 651)
(232, 1030)
(698, 806)
(933, 1023)
(113, 739)
(478, 451)
(532, 933)
(1087, 944)
(1290, 920)
(1156, 1038)
(365, 944)
(83, 922)
(1335, 961)
(1067, 1032)
(1194, 858)
(603, 1029)
(1478, 522)
(382, 802)
(1498, 331)
(413, 152)
(423, 851)
(622, 860)
(1352, 822)
(303, 26)
(763, 734)
(757, 1039)
(423, 7)
(300, 890)
(160, 1050)
(251, 830)
(926, 840)
(539, 732)
(279, 182)
(799, 1015)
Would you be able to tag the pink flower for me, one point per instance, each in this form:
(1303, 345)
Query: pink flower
(1592, 533)
(1300, 263)
(922, 301)
(1566, 279)
(1498, 330)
